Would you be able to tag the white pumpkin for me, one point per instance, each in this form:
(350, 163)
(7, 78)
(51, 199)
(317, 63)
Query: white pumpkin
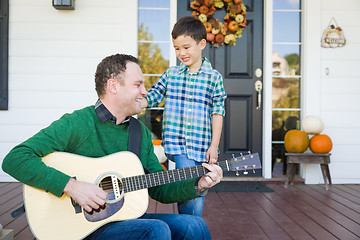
(312, 125)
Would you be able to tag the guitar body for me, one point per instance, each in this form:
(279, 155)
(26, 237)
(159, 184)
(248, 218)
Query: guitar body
(51, 217)
(122, 176)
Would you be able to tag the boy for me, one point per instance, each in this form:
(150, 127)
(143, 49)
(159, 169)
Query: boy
(194, 106)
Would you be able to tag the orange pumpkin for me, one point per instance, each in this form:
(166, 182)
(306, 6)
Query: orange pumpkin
(296, 141)
(321, 143)
(210, 37)
(203, 9)
(233, 26)
(219, 38)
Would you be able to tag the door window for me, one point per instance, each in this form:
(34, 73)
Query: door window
(153, 52)
(286, 77)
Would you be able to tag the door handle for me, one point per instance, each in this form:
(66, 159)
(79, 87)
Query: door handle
(258, 89)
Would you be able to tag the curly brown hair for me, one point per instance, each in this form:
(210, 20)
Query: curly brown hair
(111, 67)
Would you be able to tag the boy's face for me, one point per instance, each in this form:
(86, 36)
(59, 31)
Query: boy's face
(188, 51)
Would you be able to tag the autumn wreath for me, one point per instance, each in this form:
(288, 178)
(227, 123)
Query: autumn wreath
(218, 32)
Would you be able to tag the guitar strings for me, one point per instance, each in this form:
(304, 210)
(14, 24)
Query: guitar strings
(138, 182)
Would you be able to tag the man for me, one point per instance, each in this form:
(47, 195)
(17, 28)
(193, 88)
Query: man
(100, 130)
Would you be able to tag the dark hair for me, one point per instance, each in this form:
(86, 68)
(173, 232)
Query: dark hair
(189, 26)
(111, 67)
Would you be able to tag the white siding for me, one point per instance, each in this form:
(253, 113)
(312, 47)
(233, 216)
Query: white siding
(53, 56)
(54, 53)
(337, 94)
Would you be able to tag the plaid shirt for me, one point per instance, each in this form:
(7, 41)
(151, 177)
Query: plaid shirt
(104, 114)
(191, 99)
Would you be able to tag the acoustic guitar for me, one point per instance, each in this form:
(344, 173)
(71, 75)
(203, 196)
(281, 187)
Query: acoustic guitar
(122, 176)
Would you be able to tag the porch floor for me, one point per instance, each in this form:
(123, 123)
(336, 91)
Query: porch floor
(298, 212)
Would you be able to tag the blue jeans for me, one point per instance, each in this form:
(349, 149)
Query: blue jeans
(159, 226)
(194, 206)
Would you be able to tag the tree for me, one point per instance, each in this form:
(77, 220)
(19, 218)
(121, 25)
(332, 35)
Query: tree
(293, 61)
(290, 100)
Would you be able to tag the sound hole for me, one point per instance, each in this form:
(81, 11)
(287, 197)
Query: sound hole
(113, 186)
(111, 183)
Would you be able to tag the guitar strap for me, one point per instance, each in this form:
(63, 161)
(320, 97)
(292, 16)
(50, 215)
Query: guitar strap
(135, 138)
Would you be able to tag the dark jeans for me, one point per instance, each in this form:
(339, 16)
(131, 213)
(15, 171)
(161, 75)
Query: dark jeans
(155, 226)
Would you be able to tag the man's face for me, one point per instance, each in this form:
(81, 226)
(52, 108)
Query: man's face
(132, 90)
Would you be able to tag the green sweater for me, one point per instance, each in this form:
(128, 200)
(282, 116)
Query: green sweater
(82, 133)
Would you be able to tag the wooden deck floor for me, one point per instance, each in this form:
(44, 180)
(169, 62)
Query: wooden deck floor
(298, 212)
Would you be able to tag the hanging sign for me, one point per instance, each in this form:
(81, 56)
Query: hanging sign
(333, 36)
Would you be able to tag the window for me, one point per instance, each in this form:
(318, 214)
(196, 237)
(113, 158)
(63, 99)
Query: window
(4, 53)
(154, 52)
(286, 78)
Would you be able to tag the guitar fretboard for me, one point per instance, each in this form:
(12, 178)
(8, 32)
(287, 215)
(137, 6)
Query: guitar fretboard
(160, 178)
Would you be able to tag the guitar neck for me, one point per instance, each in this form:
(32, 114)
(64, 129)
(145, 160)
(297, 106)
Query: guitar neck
(159, 178)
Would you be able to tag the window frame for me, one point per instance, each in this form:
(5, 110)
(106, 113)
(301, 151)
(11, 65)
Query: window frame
(172, 56)
(300, 76)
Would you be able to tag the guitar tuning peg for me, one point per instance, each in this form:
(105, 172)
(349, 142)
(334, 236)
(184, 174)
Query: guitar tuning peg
(249, 152)
(233, 155)
(253, 170)
(241, 154)
(237, 171)
(245, 172)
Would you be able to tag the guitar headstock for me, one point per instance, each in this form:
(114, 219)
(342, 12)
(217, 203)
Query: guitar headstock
(244, 163)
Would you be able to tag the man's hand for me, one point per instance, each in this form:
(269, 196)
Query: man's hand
(88, 195)
(211, 178)
(212, 155)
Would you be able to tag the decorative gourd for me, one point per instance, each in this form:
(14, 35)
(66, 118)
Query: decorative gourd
(208, 27)
(210, 37)
(296, 141)
(312, 125)
(321, 144)
(203, 9)
(219, 38)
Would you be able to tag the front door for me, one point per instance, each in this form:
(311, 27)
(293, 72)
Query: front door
(241, 66)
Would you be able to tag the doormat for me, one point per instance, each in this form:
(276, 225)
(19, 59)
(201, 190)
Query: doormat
(229, 186)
